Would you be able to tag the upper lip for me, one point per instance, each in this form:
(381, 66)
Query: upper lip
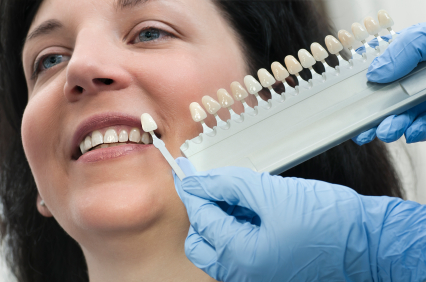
(101, 121)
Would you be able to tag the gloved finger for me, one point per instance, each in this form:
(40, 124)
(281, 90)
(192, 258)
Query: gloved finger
(365, 137)
(416, 132)
(202, 254)
(401, 57)
(234, 185)
(393, 127)
(373, 43)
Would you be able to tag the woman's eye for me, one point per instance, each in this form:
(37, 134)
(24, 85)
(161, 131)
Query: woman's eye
(151, 34)
(51, 61)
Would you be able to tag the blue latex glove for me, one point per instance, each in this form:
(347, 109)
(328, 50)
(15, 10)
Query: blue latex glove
(308, 231)
(399, 59)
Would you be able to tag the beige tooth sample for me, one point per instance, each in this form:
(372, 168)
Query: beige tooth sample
(267, 80)
(347, 40)
(281, 73)
(320, 54)
(359, 32)
(146, 138)
(333, 45)
(253, 87)
(87, 143)
(212, 106)
(372, 26)
(135, 135)
(148, 123)
(293, 65)
(385, 20)
(240, 94)
(306, 59)
(123, 136)
(199, 115)
(226, 101)
(97, 138)
(110, 136)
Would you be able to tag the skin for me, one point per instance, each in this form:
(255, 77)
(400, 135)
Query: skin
(124, 212)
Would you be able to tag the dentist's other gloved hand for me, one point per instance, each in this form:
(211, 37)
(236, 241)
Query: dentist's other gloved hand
(307, 231)
(399, 59)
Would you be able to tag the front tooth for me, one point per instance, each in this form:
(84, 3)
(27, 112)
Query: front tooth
(97, 138)
(210, 104)
(333, 45)
(197, 113)
(252, 85)
(266, 79)
(372, 26)
(82, 148)
(279, 71)
(359, 32)
(135, 135)
(225, 99)
(238, 91)
(306, 58)
(145, 138)
(148, 123)
(320, 54)
(346, 38)
(293, 66)
(123, 136)
(87, 143)
(110, 136)
(384, 19)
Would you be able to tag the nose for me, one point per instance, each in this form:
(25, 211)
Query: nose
(94, 68)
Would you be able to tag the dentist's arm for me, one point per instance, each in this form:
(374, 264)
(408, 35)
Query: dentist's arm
(306, 230)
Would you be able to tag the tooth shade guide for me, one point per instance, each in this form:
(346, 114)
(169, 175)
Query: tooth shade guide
(253, 87)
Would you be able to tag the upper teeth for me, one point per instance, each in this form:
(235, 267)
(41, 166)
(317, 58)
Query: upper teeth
(96, 138)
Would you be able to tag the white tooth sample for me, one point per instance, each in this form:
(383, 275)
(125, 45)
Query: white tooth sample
(385, 20)
(240, 94)
(253, 87)
(347, 40)
(110, 136)
(267, 80)
(320, 54)
(87, 143)
(210, 104)
(197, 113)
(225, 99)
(279, 71)
(123, 136)
(359, 32)
(293, 65)
(148, 123)
(306, 58)
(146, 138)
(97, 138)
(333, 45)
(82, 149)
(372, 26)
(135, 135)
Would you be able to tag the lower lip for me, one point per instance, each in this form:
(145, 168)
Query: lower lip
(104, 154)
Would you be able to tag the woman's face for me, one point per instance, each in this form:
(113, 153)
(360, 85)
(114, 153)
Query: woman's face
(94, 65)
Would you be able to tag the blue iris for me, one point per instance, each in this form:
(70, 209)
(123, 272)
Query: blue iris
(51, 61)
(149, 35)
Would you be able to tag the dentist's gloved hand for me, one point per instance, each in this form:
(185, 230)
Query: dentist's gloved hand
(399, 59)
(308, 230)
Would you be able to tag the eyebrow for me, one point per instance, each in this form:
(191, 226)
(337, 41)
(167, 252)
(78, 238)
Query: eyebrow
(45, 28)
(122, 4)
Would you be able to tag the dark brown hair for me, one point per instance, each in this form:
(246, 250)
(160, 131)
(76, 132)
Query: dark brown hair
(39, 249)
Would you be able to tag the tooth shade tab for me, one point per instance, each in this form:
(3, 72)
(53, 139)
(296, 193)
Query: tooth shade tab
(385, 20)
(148, 123)
(110, 136)
(197, 113)
(372, 26)
(135, 135)
(359, 32)
(293, 65)
(320, 54)
(210, 104)
(123, 136)
(238, 91)
(266, 79)
(225, 100)
(252, 85)
(97, 138)
(279, 71)
(306, 58)
(333, 45)
(346, 38)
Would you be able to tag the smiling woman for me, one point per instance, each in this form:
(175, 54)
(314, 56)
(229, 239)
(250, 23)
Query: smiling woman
(75, 78)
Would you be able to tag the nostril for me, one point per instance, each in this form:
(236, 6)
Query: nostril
(79, 89)
(106, 81)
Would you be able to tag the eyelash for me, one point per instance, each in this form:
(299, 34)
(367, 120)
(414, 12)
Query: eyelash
(37, 65)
